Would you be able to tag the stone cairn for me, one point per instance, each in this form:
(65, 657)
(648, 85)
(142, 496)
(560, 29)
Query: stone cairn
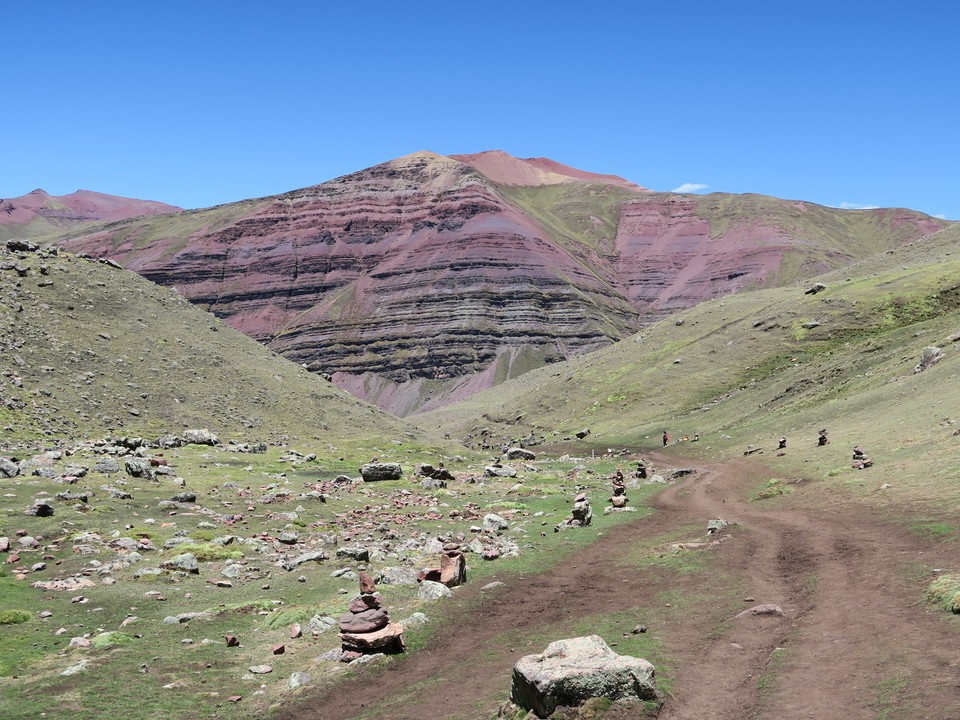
(822, 438)
(367, 629)
(860, 461)
(619, 498)
(452, 570)
(643, 470)
(580, 516)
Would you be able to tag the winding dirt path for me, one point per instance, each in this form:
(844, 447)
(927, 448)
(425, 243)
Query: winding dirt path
(856, 640)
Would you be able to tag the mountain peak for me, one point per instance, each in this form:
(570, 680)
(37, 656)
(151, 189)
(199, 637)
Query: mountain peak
(501, 167)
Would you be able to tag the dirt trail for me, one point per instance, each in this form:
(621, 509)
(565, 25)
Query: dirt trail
(856, 641)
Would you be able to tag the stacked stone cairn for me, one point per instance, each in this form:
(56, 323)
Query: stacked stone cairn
(367, 629)
(453, 567)
(860, 461)
(619, 498)
(580, 516)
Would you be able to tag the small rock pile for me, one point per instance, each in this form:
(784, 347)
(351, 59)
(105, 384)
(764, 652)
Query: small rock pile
(860, 461)
(453, 568)
(367, 629)
(580, 516)
(619, 497)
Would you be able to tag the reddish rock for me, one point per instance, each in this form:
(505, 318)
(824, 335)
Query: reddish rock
(365, 602)
(296, 631)
(453, 568)
(279, 649)
(364, 622)
(389, 638)
(429, 574)
(619, 501)
(366, 584)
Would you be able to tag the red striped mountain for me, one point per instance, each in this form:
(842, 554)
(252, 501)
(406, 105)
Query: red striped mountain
(37, 213)
(424, 279)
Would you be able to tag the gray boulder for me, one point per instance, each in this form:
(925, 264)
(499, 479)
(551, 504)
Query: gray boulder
(500, 471)
(430, 590)
(396, 576)
(494, 523)
(569, 672)
(373, 472)
(518, 453)
(200, 437)
(106, 465)
(928, 358)
(8, 468)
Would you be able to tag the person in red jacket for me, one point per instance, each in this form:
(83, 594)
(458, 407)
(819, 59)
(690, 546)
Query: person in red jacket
(666, 438)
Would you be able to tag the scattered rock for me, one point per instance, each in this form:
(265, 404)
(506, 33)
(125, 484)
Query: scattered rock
(928, 358)
(571, 671)
(767, 609)
(377, 471)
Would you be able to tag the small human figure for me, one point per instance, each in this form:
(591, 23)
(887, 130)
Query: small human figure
(782, 444)
(822, 438)
(666, 438)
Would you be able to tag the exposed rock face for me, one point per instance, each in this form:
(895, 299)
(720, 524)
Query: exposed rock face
(422, 280)
(570, 672)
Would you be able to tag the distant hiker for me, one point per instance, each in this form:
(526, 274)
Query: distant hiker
(822, 439)
(860, 461)
(782, 444)
(666, 438)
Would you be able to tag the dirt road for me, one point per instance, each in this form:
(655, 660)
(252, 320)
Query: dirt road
(856, 640)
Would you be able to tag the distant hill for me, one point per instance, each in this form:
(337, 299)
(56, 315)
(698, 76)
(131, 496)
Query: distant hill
(91, 349)
(746, 369)
(422, 280)
(39, 214)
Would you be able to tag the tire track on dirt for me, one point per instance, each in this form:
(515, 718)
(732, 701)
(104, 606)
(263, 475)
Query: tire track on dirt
(853, 619)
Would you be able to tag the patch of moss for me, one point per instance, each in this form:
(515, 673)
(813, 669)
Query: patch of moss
(13, 617)
(206, 552)
(110, 639)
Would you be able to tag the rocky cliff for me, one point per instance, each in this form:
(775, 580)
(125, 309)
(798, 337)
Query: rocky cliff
(424, 279)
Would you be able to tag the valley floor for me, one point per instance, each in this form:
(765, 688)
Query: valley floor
(857, 639)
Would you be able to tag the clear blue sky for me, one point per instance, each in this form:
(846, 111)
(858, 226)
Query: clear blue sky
(204, 102)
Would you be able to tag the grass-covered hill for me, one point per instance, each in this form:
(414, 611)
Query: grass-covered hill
(748, 368)
(90, 349)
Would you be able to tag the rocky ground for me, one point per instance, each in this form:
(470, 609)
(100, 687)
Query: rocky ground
(207, 579)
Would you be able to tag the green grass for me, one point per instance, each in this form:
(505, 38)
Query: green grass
(933, 530)
(944, 592)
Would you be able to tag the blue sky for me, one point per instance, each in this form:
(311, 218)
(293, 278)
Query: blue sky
(200, 103)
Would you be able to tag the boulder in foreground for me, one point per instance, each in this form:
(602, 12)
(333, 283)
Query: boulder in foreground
(571, 671)
(376, 471)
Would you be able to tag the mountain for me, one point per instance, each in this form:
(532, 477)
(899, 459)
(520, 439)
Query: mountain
(37, 213)
(422, 280)
(94, 349)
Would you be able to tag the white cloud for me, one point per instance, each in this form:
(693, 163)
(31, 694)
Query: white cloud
(856, 206)
(941, 216)
(690, 187)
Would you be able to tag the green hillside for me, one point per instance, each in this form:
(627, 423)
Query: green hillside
(752, 367)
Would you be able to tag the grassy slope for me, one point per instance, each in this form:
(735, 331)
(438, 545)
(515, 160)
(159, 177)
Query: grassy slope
(99, 342)
(750, 371)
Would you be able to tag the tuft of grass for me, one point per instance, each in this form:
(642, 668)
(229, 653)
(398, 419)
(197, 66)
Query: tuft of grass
(14, 617)
(945, 593)
(110, 640)
(932, 530)
(206, 552)
(772, 488)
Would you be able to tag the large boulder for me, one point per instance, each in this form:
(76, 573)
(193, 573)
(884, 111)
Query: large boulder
(200, 437)
(571, 671)
(372, 472)
(519, 453)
